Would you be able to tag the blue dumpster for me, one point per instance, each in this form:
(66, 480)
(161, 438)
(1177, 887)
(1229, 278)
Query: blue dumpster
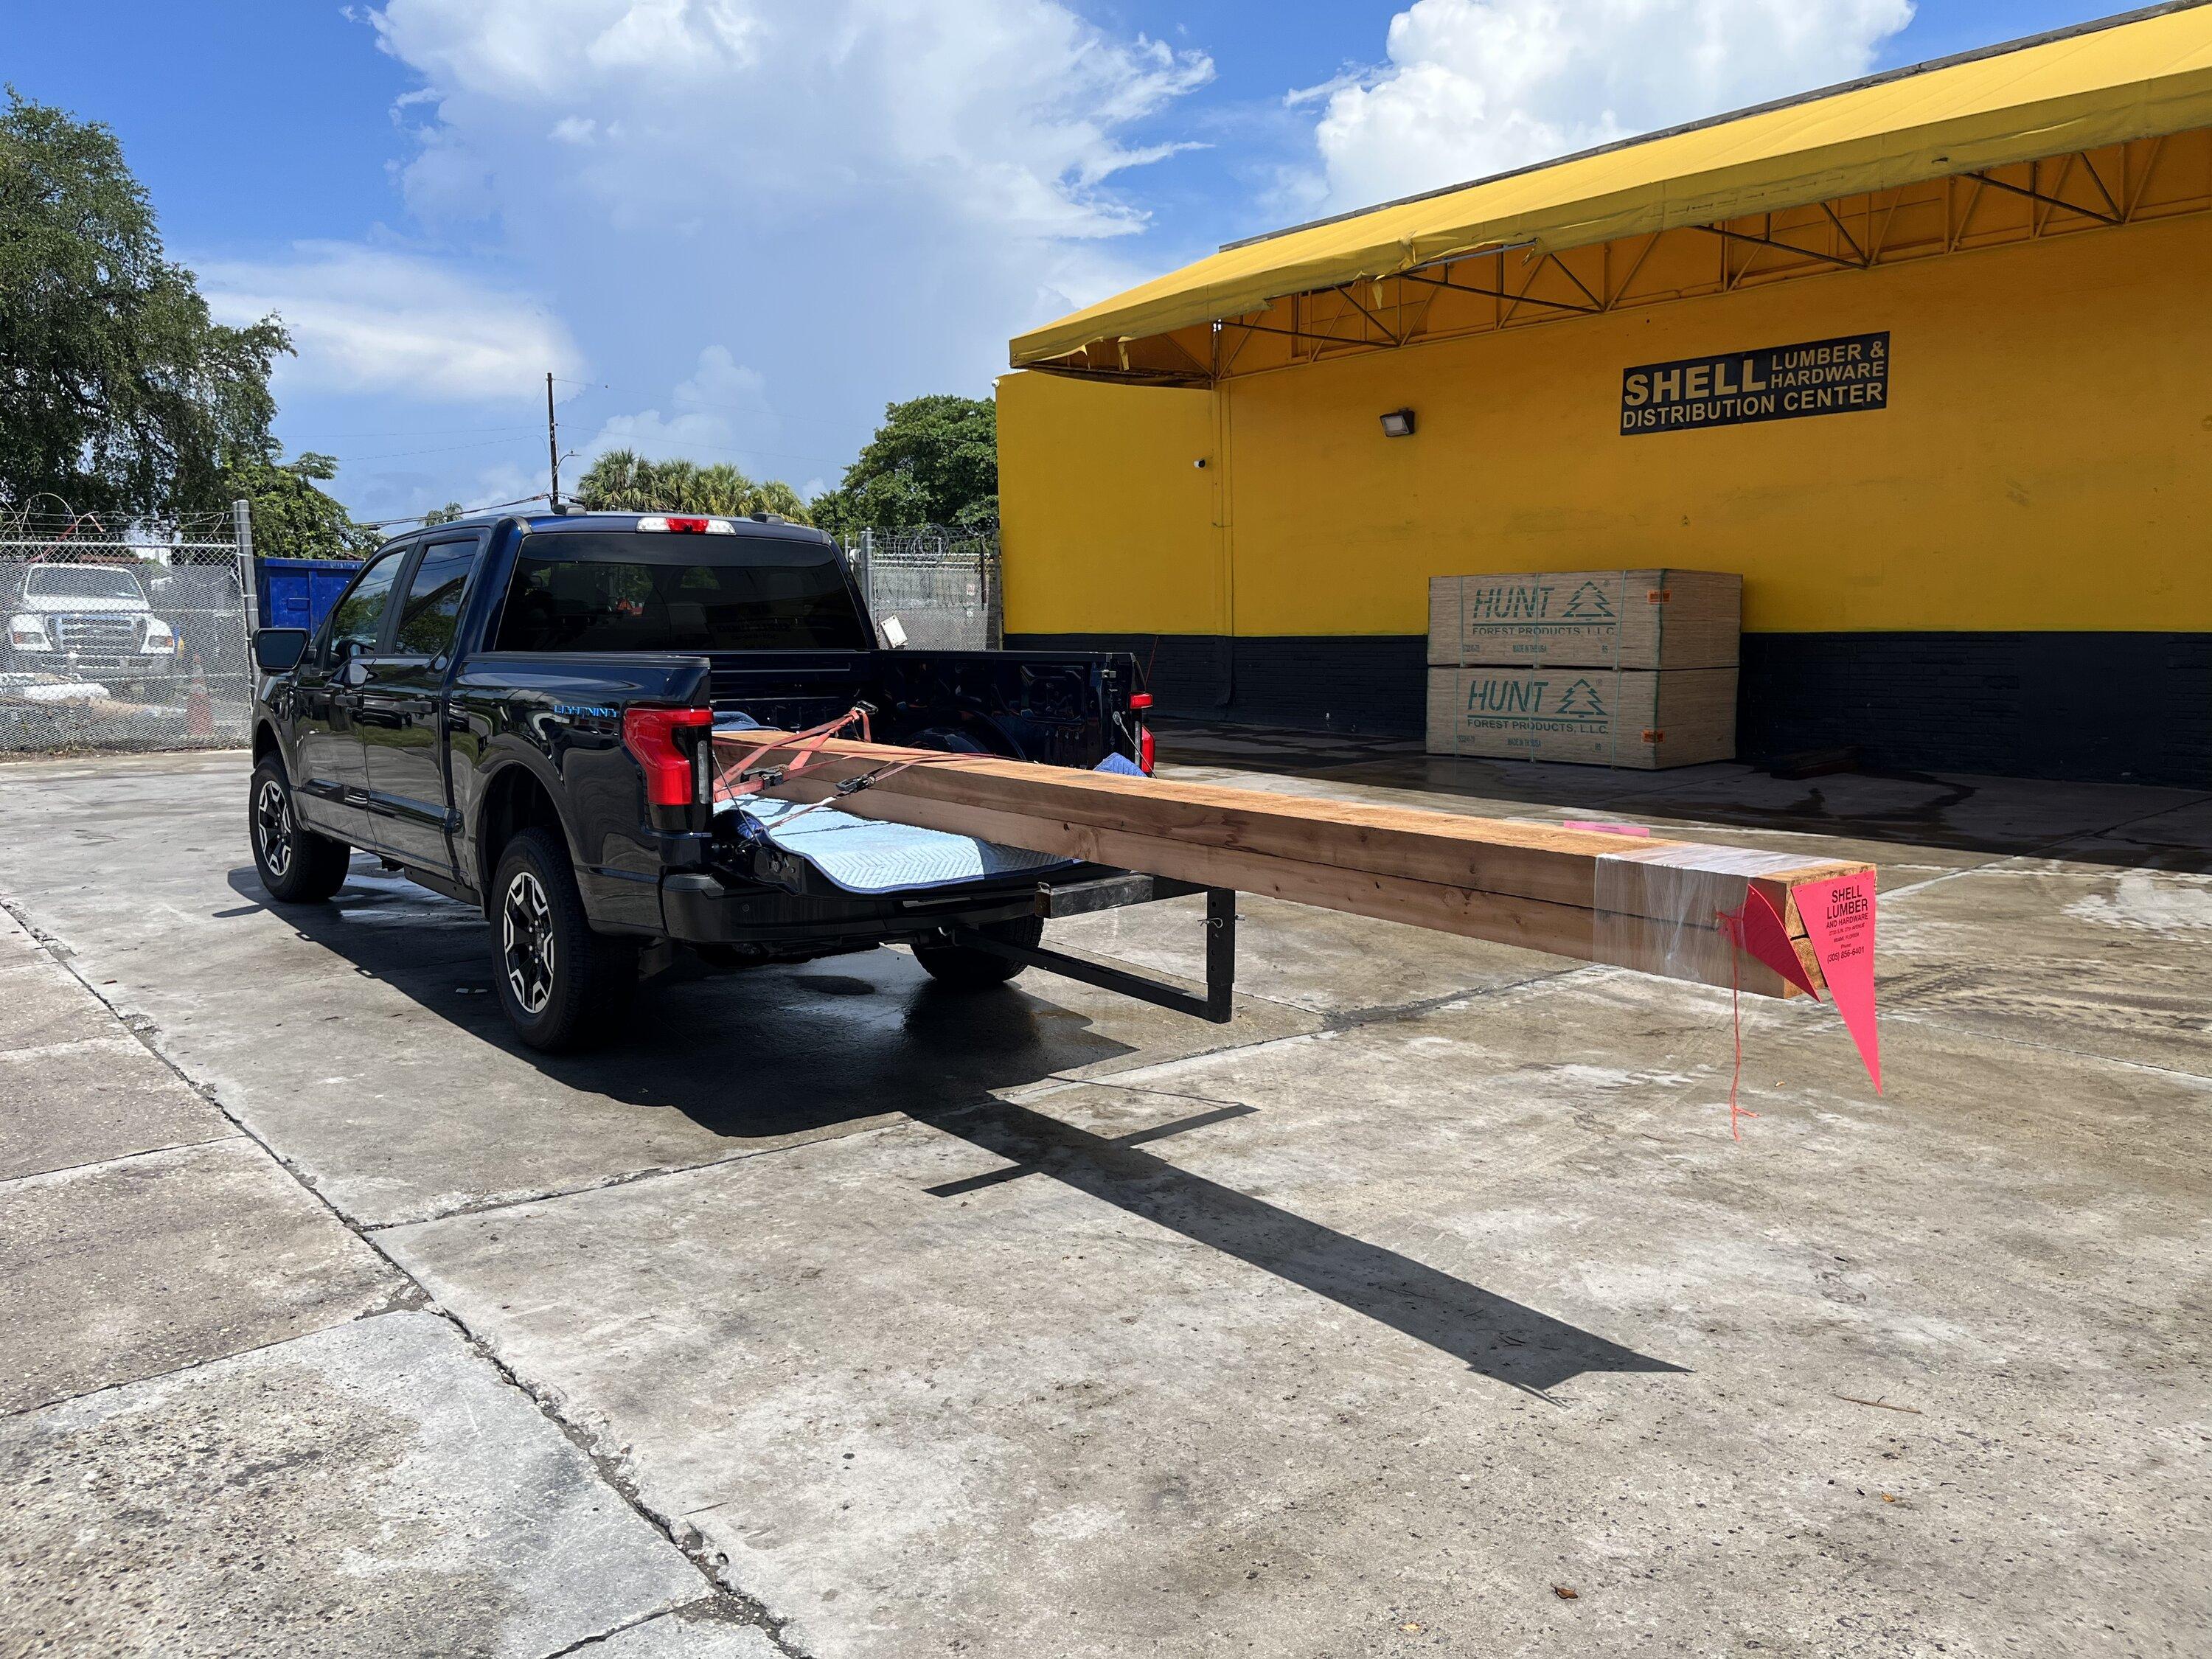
(299, 592)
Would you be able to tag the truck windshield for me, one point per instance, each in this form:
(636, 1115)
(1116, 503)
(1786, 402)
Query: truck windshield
(82, 582)
(612, 591)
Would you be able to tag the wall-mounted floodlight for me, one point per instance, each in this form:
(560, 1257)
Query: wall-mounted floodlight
(1398, 423)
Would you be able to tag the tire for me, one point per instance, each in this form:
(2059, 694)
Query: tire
(963, 968)
(563, 986)
(297, 865)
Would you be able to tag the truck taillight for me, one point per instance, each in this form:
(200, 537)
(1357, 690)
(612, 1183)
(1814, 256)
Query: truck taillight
(1139, 701)
(674, 774)
(670, 524)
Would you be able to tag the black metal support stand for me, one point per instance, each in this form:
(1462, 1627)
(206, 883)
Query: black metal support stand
(1220, 960)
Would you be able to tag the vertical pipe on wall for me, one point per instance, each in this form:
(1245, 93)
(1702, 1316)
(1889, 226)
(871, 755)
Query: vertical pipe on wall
(1225, 540)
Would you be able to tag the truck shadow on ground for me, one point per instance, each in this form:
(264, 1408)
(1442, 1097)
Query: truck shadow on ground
(780, 1052)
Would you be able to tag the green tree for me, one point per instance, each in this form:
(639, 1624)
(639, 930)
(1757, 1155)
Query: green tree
(623, 481)
(445, 514)
(934, 460)
(292, 519)
(117, 391)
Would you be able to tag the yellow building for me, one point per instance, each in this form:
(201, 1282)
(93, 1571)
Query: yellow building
(1927, 359)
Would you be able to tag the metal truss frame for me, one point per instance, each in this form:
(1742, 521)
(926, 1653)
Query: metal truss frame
(2076, 194)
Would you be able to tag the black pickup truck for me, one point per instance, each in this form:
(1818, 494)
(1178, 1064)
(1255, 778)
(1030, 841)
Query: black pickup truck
(517, 712)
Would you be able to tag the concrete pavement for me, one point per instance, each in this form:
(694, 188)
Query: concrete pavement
(1044, 1323)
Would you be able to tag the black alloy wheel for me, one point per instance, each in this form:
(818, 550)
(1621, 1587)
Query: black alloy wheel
(562, 985)
(526, 945)
(296, 864)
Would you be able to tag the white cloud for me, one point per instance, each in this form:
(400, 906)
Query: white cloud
(1477, 86)
(862, 199)
(376, 320)
(700, 424)
(1005, 113)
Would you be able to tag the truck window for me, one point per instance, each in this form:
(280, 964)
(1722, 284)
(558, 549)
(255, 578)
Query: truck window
(82, 582)
(621, 591)
(433, 605)
(358, 618)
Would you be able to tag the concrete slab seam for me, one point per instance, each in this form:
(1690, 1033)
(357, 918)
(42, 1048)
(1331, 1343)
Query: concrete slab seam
(685, 1539)
(123, 1157)
(720, 1601)
(627, 1178)
(1331, 1025)
(1935, 1022)
(1343, 1020)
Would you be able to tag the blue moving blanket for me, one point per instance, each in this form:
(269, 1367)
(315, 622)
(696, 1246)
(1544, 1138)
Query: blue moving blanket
(863, 856)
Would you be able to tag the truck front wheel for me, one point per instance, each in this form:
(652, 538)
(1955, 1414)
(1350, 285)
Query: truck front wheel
(963, 968)
(562, 985)
(297, 865)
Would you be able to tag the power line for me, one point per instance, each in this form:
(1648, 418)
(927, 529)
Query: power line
(465, 513)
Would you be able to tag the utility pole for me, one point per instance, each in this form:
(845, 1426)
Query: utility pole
(552, 441)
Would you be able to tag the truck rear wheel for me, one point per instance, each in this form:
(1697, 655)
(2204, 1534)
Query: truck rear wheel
(297, 865)
(563, 986)
(963, 968)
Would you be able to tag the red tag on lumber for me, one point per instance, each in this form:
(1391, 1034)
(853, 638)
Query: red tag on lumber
(1840, 921)
(1765, 939)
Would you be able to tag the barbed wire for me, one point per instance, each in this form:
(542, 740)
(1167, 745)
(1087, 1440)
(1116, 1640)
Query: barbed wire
(28, 524)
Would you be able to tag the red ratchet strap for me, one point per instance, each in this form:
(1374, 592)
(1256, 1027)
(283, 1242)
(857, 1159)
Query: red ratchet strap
(742, 778)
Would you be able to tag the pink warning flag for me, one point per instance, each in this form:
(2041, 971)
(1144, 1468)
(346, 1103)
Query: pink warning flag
(1761, 931)
(1839, 921)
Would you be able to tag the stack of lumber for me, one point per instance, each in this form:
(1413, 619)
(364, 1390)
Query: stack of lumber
(1595, 895)
(1609, 668)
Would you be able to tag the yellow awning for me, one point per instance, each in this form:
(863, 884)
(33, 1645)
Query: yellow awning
(2105, 85)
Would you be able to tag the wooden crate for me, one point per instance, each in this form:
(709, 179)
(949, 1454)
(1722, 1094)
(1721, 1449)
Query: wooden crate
(1657, 618)
(1596, 716)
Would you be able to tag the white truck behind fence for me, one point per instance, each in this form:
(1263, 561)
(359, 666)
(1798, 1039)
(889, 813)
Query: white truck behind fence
(125, 635)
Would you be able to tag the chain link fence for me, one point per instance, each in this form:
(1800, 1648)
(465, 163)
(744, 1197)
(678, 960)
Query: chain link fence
(940, 586)
(124, 636)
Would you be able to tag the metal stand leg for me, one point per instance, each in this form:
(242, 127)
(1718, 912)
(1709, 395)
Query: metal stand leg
(1220, 952)
(1220, 964)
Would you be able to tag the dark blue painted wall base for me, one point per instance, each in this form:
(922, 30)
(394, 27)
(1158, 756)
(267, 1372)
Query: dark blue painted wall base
(2107, 708)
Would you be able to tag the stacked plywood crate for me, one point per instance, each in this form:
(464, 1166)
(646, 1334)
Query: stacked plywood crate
(1608, 667)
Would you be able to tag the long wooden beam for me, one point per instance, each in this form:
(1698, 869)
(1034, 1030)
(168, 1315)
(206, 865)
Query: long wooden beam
(1634, 900)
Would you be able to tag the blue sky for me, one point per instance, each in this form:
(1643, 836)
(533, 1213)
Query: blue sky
(737, 228)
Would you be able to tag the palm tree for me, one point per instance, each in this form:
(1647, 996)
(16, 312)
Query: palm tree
(623, 481)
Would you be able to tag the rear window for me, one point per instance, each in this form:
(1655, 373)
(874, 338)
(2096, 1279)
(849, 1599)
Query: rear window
(583, 591)
(82, 582)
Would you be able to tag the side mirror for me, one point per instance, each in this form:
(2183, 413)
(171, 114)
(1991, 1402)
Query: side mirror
(278, 650)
